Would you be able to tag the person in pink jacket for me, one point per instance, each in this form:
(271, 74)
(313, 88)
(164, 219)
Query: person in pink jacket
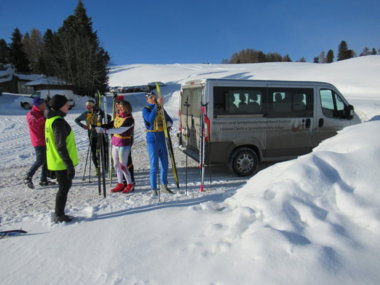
(36, 124)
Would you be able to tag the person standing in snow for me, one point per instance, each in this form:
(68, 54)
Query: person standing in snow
(155, 140)
(122, 128)
(61, 153)
(91, 119)
(36, 124)
(130, 161)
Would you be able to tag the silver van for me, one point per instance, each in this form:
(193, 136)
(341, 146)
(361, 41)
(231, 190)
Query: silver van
(251, 121)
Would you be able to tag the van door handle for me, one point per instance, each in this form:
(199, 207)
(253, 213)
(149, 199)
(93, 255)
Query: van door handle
(320, 123)
(307, 123)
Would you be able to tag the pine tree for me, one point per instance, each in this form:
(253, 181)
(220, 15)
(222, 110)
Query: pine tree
(367, 51)
(17, 55)
(33, 46)
(49, 61)
(344, 52)
(84, 62)
(330, 56)
(286, 58)
(4, 51)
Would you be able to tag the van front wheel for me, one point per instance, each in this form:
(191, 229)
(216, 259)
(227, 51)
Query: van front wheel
(244, 161)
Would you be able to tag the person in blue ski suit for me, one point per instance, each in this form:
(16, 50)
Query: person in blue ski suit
(155, 140)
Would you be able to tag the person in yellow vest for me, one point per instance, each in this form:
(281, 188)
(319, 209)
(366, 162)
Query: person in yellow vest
(61, 153)
(122, 128)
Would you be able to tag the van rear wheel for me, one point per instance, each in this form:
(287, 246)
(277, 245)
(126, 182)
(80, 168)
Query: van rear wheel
(244, 161)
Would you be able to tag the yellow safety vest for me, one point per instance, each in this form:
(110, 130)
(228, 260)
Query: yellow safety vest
(158, 124)
(54, 160)
(91, 119)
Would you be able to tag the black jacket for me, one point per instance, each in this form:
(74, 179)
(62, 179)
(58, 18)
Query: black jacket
(61, 130)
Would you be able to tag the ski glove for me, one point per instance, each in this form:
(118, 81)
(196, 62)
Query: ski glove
(71, 172)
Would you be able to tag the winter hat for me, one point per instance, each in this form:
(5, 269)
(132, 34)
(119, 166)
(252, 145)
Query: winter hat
(38, 101)
(90, 102)
(148, 94)
(58, 101)
(119, 99)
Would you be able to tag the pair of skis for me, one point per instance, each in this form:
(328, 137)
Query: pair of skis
(11, 233)
(102, 156)
(168, 140)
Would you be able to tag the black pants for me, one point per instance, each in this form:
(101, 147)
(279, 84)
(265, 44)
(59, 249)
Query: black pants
(64, 185)
(94, 155)
(40, 161)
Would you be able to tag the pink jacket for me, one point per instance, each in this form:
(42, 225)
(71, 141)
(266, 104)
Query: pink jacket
(36, 124)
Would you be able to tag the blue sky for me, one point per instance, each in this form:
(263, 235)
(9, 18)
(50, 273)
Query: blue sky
(207, 31)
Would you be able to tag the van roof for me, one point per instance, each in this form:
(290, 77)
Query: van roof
(202, 82)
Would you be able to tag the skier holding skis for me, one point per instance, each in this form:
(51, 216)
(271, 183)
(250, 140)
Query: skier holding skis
(122, 128)
(91, 119)
(61, 153)
(155, 140)
(36, 124)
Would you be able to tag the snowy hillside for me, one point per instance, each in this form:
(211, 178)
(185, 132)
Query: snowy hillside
(311, 220)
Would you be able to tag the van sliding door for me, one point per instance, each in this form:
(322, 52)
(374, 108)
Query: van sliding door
(238, 120)
(289, 122)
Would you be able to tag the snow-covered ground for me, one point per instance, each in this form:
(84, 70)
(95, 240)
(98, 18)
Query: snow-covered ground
(311, 220)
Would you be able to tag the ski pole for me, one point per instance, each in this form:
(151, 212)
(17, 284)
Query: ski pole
(102, 158)
(187, 134)
(85, 165)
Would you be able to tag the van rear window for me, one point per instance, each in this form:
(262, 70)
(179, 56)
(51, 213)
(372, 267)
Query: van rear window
(191, 101)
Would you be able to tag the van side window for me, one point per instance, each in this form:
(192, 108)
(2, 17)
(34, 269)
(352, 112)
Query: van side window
(332, 104)
(238, 101)
(290, 102)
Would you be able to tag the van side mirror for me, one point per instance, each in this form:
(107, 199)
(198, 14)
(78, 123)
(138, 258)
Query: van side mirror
(349, 112)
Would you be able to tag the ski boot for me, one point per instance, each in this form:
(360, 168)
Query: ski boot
(119, 187)
(60, 219)
(164, 189)
(28, 182)
(129, 188)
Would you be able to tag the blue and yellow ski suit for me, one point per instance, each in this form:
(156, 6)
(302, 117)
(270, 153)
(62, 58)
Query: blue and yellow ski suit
(156, 146)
